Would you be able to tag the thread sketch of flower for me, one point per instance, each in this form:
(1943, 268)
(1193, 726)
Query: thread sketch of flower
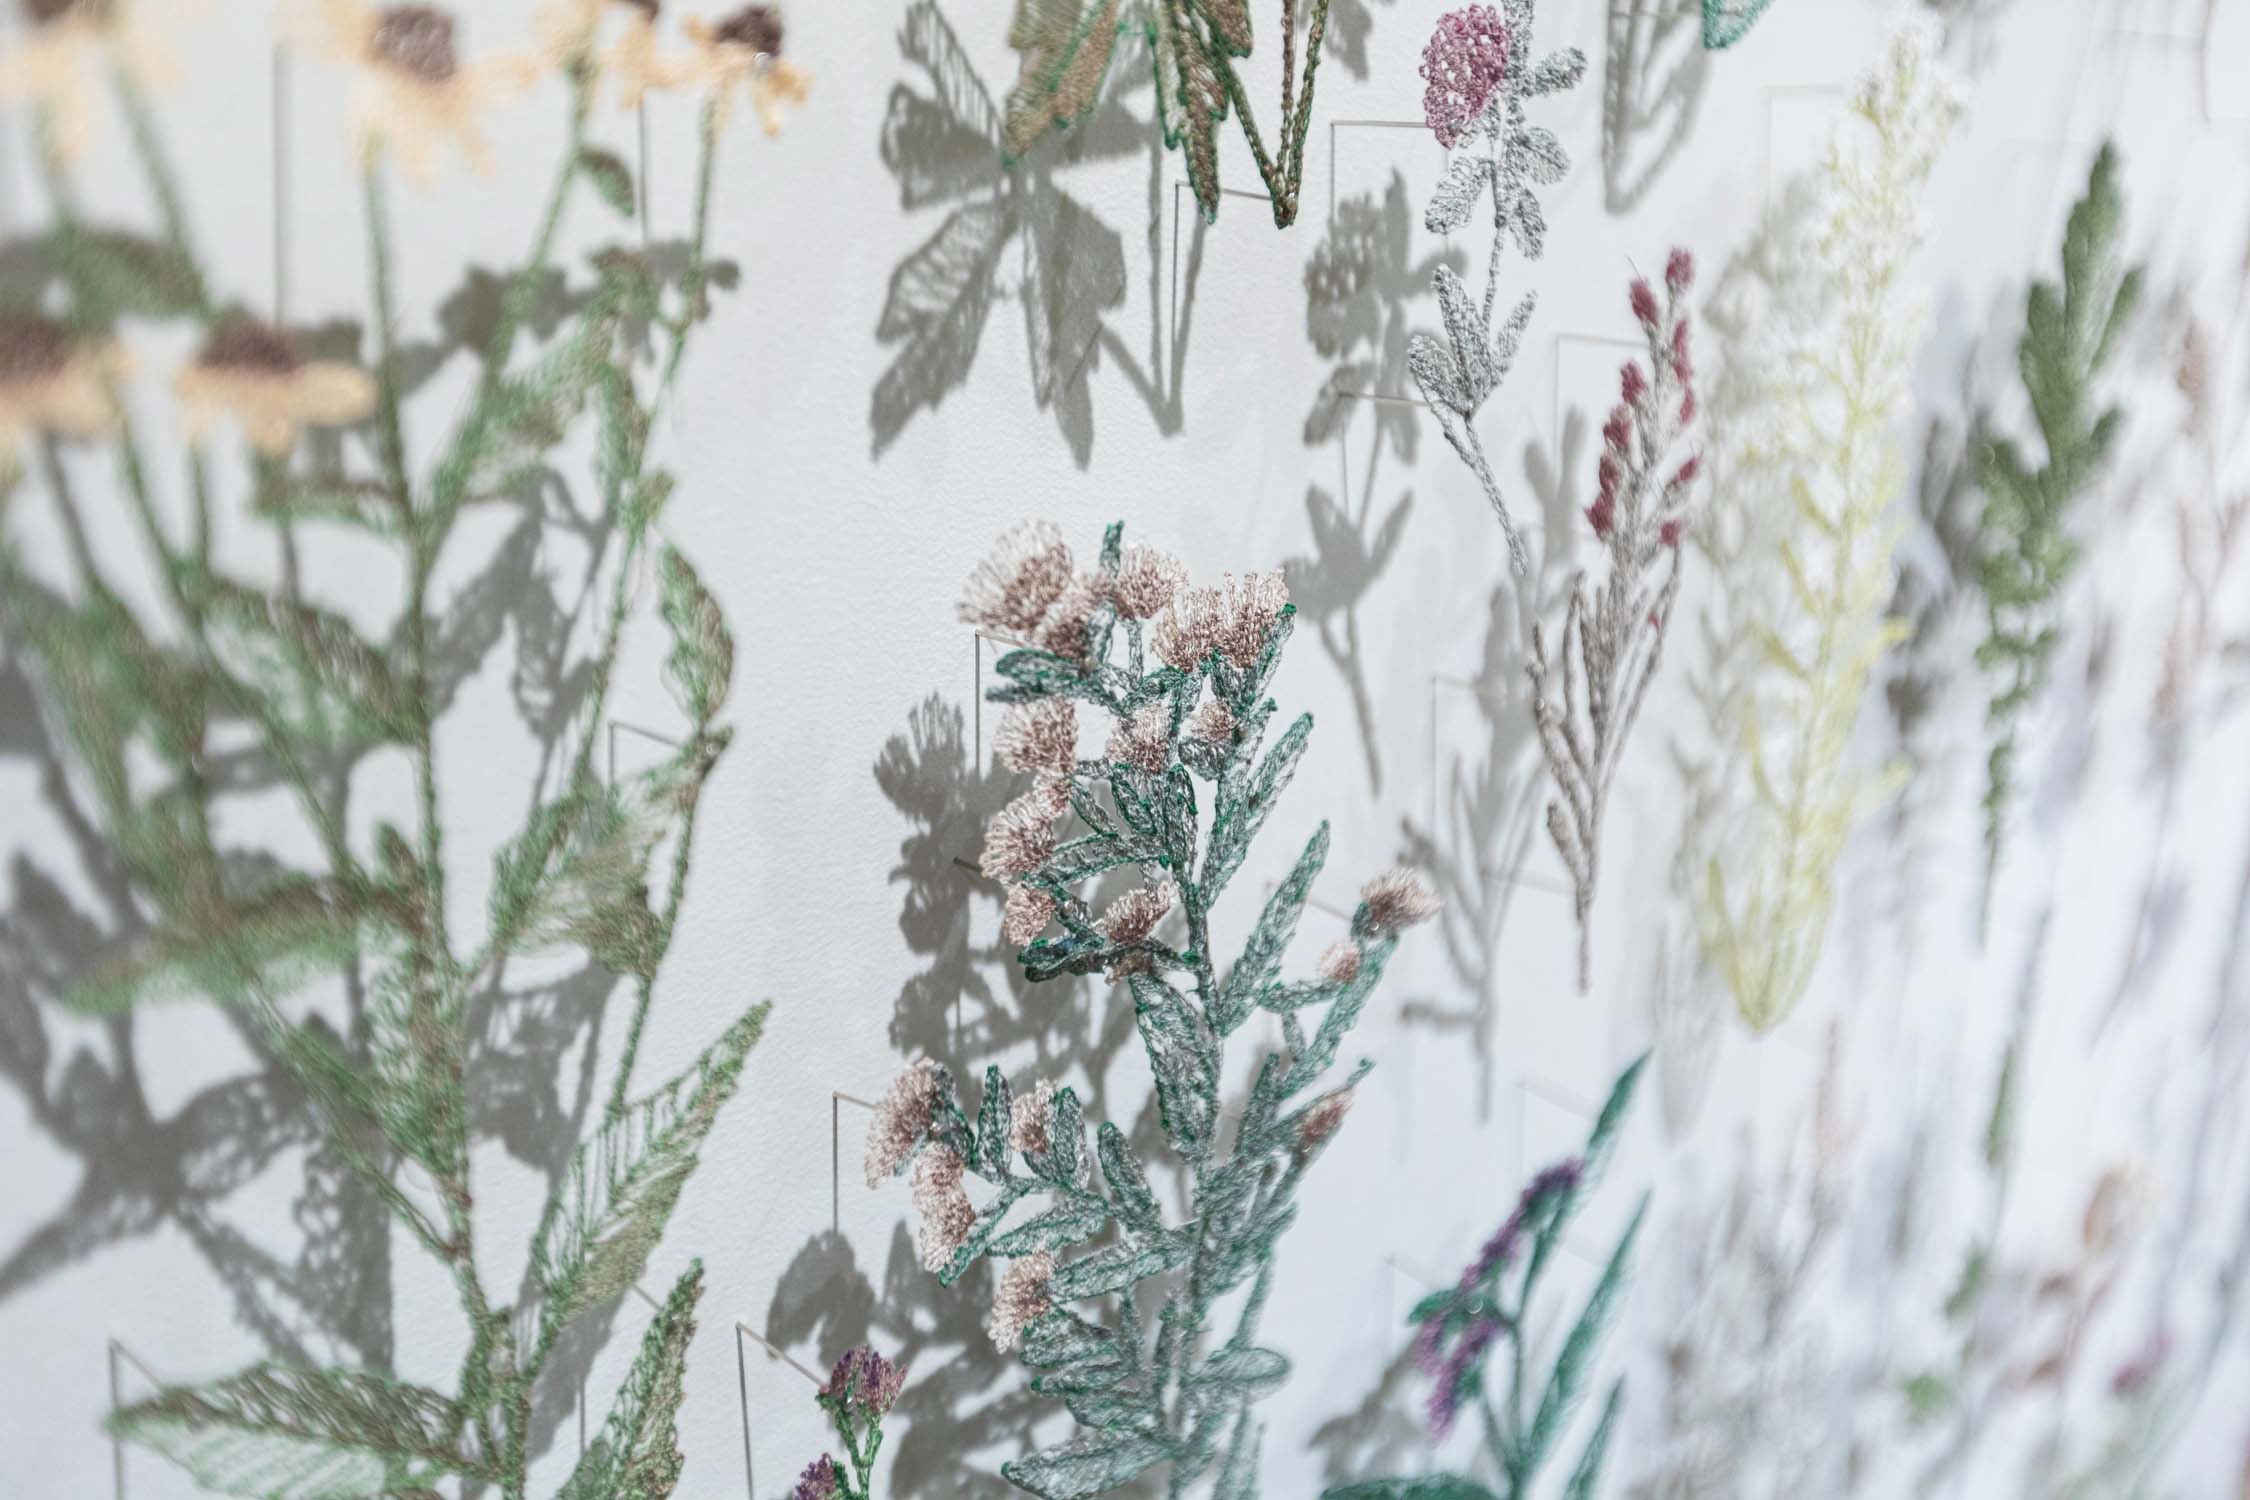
(411, 91)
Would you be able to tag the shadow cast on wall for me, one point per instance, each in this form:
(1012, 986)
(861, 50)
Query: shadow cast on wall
(1012, 231)
(85, 1085)
(965, 1406)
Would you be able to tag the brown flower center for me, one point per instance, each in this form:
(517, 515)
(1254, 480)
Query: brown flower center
(251, 347)
(757, 27)
(418, 41)
(43, 11)
(31, 349)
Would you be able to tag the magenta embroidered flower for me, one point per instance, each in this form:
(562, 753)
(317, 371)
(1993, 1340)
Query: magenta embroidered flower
(1465, 60)
(863, 1384)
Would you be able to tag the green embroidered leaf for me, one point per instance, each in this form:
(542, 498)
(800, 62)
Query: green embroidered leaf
(1270, 939)
(1242, 1373)
(271, 943)
(1128, 1187)
(701, 665)
(1575, 1363)
(274, 1433)
(1424, 1487)
(1118, 1266)
(1187, 1090)
(637, 1456)
(1086, 1466)
(992, 1122)
(1066, 46)
(610, 1209)
(118, 275)
(610, 177)
(1238, 821)
(1065, 1224)
(1587, 1477)
(1067, 1137)
(1063, 1342)
(1726, 22)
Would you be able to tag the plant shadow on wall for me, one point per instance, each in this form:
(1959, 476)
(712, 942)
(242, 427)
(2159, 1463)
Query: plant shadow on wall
(1013, 232)
(1652, 84)
(89, 1087)
(963, 1405)
(1358, 285)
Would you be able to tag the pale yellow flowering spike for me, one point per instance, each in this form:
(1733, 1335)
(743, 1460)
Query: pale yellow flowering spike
(1805, 428)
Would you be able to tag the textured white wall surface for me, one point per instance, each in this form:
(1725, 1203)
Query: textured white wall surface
(919, 348)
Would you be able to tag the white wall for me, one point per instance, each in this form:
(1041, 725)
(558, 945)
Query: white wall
(835, 503)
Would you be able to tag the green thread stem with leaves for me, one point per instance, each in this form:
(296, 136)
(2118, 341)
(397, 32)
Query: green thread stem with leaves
(145, 704)
(1152, 1379)
(1066, 47)
(2026, 553)
(1461, 1329)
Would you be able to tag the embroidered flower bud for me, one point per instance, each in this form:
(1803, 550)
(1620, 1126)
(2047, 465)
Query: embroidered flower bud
(863, 1383)
(1397, 900)
(819, 1481)
(901, 1120)
(1320, 1122)
(1025, 916)
(1645, 310)
(1464, 61)
(1039, 737)
(1669, 534)
(1340, 964)
(946, 1213)
(1027, 1120)
(1633, 383)
(1679, 272)
(1021, 836)
(1144, 741)
(1213, 723)
(1067, 628)
(1147, 581)
(1010, 591)
(1134, 915)
(1023, 1298)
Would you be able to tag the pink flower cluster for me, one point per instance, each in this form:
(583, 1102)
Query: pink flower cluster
(1465, 60)
(1634, 410)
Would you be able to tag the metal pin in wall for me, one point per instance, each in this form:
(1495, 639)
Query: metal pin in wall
(837, 1099)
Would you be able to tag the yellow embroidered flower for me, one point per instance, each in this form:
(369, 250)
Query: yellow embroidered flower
(570, 38)
(52, 383)
(744, 51)
(411, 92)
(253, 374)
(58, 65)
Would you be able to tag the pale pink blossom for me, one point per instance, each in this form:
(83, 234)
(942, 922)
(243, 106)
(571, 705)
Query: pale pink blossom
(1027, 1119)
(1398, 900)
(1011, 591)
(1146, 582)
(901, 1120)
(1023, 1298)
(943, 1204)
(1039, 737)
(1021, 836)
(1465, 60)
(1144, 741)
(1026, 915)
(1213, 723)
(1064, 629)
(1340, 964)
(1321, 1120)
(1134, 915)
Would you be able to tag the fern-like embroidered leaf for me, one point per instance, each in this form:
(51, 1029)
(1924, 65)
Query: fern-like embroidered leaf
(268, 944)
(1066, 46)
(611, 1207)
(637, 1456)
(274, 1433)
(1085, 1466)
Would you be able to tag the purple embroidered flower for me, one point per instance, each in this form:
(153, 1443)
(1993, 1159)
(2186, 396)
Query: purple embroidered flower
(1453, 1382)
(1451, 1368)
(818, 1482)
(863, 1383)
(1465, 60)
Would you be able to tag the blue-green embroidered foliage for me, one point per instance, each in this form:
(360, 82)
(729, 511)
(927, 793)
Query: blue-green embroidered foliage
(1143, 1326)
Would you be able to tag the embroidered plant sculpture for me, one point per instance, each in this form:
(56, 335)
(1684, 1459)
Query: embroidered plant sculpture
(2026, 551)
(1128, 1335)
(1613, 637)
(859, 1393)
(1461, 1329)
(235, 679)
(1479, 70)
(1066, 46)
(1763, 908)
(1726, 22)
